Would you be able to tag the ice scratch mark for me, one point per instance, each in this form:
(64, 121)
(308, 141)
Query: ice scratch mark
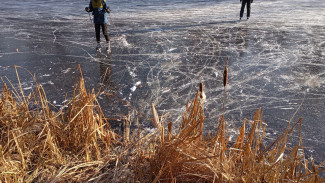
(93, 58)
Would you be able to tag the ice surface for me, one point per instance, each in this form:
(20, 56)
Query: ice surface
(163, 49)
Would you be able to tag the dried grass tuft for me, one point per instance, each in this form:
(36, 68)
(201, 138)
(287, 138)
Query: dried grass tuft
(78, 145)
(37, 144)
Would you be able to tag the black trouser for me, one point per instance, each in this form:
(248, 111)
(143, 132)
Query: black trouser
(104, 29)
(243, 3)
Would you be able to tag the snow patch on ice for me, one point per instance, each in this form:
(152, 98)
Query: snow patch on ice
(132, 73)
(134, 87)
(23, 34)
(172, 49)
(313, 82)
(122, 40)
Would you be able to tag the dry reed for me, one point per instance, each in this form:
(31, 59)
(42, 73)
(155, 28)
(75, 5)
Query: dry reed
(78, 145)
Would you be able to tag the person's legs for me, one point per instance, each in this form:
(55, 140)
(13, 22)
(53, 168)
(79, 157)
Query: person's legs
(243, 2)
(97, 30)
(248, 8)
(105, 32)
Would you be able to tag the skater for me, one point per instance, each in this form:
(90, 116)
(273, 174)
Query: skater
(99, 9)
(243, 3)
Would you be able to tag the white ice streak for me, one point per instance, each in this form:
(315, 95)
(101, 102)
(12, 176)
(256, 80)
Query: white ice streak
(27, 88)
(48, 82)
(287, 108)
(54, 39)
(66, 70)
(165, 91)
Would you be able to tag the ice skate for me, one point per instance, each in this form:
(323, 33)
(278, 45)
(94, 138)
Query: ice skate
(108, 48)
(99, 47)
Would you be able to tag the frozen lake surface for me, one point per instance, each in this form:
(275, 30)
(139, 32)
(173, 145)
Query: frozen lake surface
(163, 49)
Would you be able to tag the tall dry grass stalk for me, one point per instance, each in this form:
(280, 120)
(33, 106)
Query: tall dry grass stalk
(78, 145)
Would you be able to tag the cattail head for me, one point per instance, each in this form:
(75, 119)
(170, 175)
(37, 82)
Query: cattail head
(202, 94)
(225, 74)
